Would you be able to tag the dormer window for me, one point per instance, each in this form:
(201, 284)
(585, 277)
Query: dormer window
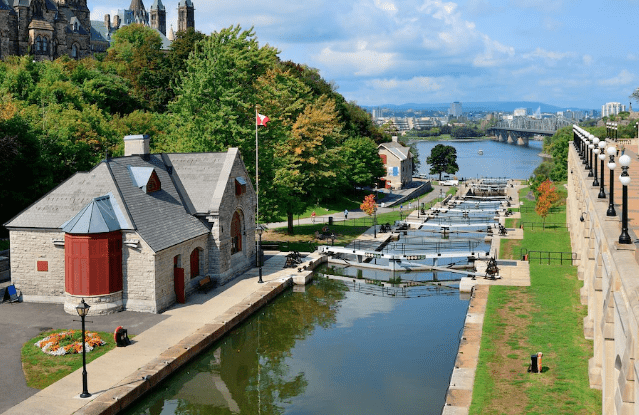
(240, 186)
(145, 178)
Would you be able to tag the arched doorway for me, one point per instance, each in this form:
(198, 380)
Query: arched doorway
(236, 233)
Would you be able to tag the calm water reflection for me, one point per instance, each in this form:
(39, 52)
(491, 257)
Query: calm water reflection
(324, 351)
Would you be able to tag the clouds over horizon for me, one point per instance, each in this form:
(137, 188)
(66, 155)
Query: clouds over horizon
(384, 51)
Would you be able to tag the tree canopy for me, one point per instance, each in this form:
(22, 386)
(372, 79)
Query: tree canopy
(443, 159)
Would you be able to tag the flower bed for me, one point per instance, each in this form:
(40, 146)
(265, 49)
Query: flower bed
(68, 342)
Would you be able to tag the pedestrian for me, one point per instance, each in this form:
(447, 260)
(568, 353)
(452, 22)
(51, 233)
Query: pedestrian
(623, 149)
(313, 217)
(617, 147)
(345, 214)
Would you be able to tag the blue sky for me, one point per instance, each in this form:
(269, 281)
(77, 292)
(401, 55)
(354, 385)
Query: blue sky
(567, 53)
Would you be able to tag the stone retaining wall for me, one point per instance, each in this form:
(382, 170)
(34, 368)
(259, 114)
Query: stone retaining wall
(610, 272)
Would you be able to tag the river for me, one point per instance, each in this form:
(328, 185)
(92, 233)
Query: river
(499, 159)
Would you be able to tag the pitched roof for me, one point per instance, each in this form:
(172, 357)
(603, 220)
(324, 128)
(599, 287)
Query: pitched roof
(203, 176)
(61, 204)
(101, 215)
(157, 4)
(99, 31)
(396, 149)
(160, 217)
(137, 5)
(183, 3)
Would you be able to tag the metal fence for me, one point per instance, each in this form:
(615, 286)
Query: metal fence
(549, 257)
(543, 225)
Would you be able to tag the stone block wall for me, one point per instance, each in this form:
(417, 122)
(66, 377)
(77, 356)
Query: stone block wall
(28, 247)
(138, 274)
(610, 272)
(164, 274)
(223, 265)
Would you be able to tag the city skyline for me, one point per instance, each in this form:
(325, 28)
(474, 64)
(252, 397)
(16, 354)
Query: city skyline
(380, 52)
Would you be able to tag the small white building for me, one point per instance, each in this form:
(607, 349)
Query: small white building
(398, 162)
(136, 232)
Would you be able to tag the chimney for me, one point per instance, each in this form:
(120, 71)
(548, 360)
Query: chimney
(137, 145)
(394, 138)
(116, 21)
(107, 22)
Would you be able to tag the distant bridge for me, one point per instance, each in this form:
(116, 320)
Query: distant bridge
(520, 130)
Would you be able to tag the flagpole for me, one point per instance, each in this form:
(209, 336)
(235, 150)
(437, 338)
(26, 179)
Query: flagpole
(257, 203)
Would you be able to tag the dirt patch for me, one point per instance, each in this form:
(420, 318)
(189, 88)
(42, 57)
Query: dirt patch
(510, 249)
(512, 351)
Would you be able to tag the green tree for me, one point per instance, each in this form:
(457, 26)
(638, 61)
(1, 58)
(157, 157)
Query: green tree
(216, 97)
(362, 164)
(443, 159)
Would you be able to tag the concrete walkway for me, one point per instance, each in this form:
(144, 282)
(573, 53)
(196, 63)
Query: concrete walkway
(123, 374)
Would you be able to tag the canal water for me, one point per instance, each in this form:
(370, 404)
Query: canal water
(498, 159)
(327, 350)
(338, 348)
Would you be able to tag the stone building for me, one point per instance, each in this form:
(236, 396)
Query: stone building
(398, 162)
(48, 29)
(136, 232)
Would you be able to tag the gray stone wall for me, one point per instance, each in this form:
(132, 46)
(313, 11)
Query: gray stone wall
(27, 248)
(164, 274)
(138, 274)
(223, 265)
(610, 272)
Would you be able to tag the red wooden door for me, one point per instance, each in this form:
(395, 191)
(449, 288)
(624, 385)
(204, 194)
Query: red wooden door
(178, 284)
(195, 263)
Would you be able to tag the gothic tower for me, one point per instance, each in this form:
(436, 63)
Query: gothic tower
(186, 15)
(158, 16)
(140, 14)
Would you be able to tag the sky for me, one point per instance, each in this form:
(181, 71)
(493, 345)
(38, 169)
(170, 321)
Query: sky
(568, 53)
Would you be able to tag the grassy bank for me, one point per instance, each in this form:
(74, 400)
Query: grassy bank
(545, 317)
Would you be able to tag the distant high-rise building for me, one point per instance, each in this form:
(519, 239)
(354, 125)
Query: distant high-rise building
(520, 112)
(612, 108)
(455, 109)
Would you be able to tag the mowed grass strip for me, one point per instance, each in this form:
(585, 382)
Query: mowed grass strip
(546, 317)
(42, 370)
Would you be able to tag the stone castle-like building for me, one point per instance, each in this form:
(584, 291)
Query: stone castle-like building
(48, 29)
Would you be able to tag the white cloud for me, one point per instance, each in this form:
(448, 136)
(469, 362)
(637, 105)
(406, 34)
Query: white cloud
(418, 83)
(540, 53)
(624, 78)
(359, 60)
(587, 59)
(389, 7)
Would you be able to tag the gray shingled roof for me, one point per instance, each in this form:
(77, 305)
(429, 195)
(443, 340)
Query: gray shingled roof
(159, 217)
(65, 201)
(397, 149)
(99, 31)
(200, 174)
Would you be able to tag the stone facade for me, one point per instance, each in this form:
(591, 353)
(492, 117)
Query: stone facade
(398, 163)
(45, 29)
(28, 247)
(609, 271)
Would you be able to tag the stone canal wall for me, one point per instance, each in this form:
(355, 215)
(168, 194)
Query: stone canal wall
(610, 273)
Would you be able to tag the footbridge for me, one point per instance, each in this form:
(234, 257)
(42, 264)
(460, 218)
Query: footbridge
(520, 130)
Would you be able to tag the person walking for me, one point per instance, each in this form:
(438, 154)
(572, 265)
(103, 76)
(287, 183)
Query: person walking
(345, 214)
(313, 217)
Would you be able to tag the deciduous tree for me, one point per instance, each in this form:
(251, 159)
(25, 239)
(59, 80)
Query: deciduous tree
(443, 159)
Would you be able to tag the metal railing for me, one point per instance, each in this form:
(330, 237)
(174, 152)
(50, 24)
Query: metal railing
(549, 257)
(543, 225)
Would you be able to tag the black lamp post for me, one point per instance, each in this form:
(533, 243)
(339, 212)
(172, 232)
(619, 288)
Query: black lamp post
(611, 165)
(624, 160)
(259, 230)
(602, 156)
(589, 157)
(616, 131)
(83, 310)
(585, 152)
(595, 145)
(375, 219)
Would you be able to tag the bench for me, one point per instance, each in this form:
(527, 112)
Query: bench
(206, 283)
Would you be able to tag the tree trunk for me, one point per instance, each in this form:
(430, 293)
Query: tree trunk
(289, 216)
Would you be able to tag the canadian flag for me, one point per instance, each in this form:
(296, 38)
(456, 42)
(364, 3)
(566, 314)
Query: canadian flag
(262, 119)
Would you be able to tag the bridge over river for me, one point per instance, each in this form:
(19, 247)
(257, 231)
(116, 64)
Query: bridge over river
(520, 130)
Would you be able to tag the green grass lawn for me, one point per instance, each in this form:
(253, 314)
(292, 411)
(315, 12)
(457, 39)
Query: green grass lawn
(546, 317)
(42, 370)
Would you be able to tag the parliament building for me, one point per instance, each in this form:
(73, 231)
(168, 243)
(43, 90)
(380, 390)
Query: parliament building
(48, 29)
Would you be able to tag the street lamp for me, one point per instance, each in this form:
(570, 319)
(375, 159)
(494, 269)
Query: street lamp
(259, 230)
(585, 158)
(611, 165)
(83, 310)
(590, 147)
(602, 156)
(624, 178)
(595, 144)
